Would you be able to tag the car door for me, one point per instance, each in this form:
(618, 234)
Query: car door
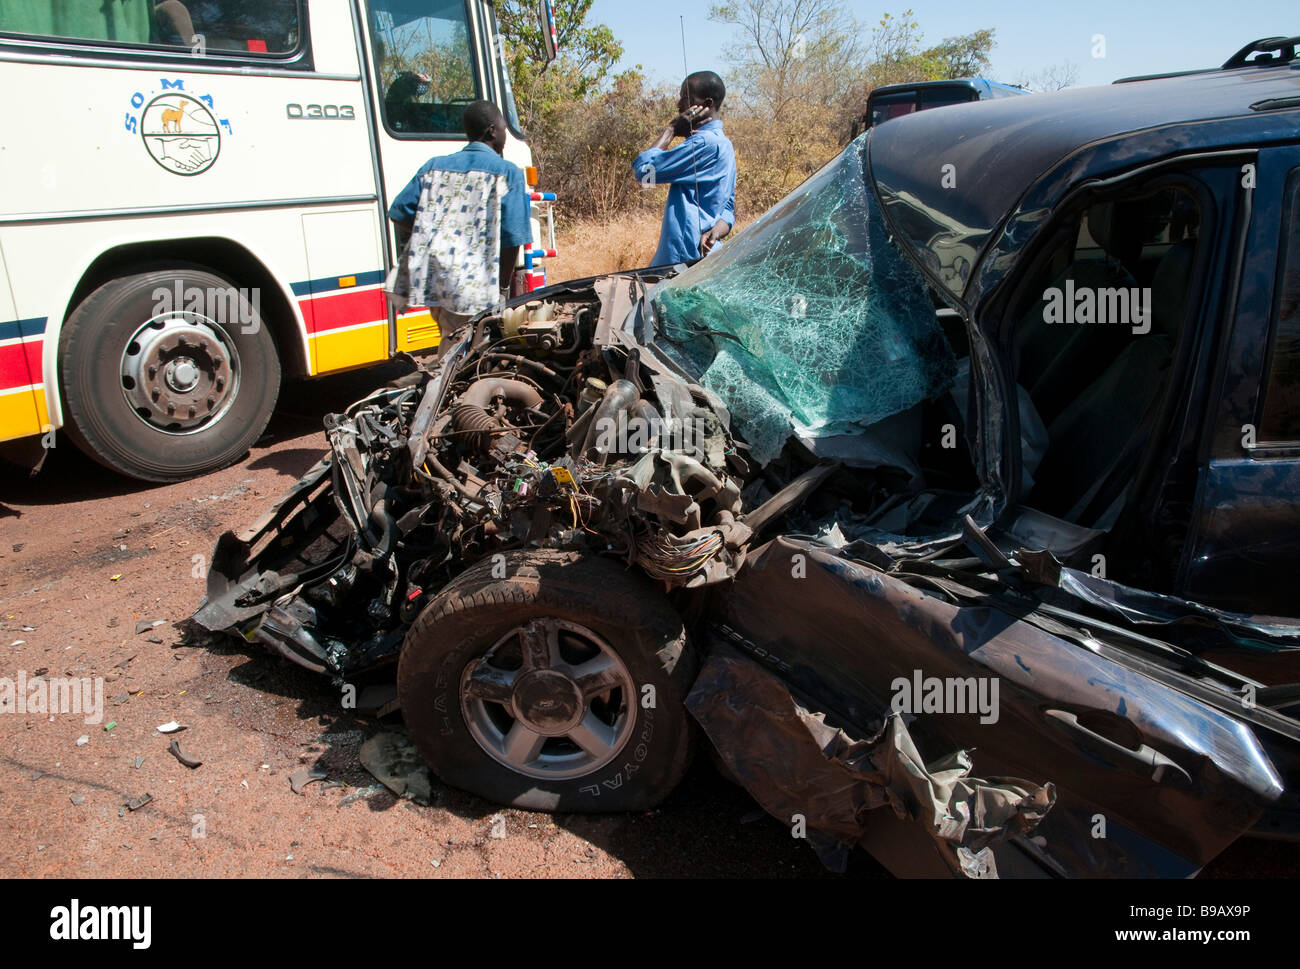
(1150, 781)
(1245, 536)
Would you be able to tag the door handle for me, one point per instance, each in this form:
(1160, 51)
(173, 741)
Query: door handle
(1144, 760)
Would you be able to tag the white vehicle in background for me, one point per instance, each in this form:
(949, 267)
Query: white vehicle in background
(193, 198)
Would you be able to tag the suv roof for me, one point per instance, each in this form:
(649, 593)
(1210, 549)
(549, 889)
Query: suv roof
(1024, 153)
(1271, 51)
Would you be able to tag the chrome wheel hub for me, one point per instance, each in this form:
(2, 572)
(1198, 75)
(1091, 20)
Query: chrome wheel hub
(180, 373)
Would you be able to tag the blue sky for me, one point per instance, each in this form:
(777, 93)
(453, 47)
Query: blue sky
(1142, 36)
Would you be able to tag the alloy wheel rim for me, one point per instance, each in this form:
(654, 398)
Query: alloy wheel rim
(550, 700)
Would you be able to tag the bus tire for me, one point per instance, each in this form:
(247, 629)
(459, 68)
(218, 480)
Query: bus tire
(164, 393)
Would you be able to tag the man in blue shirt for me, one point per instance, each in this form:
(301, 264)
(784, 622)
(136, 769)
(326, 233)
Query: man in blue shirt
(468, 214)
(701, 206)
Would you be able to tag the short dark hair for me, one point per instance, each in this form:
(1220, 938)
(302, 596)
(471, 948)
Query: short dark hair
(479, 117)
(706, 84)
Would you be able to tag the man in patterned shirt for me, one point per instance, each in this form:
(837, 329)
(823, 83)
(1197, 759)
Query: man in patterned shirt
(467, 215)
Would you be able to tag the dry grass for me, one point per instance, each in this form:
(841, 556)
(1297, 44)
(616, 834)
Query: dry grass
(596, 247)
(591, 248)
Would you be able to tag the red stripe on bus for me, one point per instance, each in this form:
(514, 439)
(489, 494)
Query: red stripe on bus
(20, 364)
(326, 313)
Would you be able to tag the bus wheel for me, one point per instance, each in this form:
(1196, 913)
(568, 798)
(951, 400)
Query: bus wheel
(167, 375)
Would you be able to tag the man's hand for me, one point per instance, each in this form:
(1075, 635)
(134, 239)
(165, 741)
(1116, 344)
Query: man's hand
(685, 123)
(509, 259)
(682, 126)
(715, 235)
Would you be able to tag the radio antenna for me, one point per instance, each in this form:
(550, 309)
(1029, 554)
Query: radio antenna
(685, 63)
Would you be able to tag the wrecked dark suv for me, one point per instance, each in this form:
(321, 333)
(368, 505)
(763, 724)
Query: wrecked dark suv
(955, 502)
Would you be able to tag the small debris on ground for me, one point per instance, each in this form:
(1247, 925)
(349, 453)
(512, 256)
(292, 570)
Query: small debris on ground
(396, 763)
(362, 794)
(174, 748)
(304, 776)
(138, 802)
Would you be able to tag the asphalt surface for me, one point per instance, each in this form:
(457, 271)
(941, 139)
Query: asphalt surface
(90, 562)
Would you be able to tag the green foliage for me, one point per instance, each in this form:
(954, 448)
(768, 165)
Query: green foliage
(588, 53)
(964, 56)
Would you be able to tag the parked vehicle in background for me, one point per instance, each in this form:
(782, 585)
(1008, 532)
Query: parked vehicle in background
(194, 201)
(899, 100)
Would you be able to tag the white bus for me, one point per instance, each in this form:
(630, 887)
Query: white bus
(193, 198)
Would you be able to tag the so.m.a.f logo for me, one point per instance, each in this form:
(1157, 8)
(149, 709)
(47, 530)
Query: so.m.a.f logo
(180, 130)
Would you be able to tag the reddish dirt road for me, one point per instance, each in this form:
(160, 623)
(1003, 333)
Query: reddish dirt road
(86, 558)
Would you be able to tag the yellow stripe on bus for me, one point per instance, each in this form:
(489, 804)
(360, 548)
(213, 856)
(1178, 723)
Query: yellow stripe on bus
(346, 349)
(22, 415)
(417, 332)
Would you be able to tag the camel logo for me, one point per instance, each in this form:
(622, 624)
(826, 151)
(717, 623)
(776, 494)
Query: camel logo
(181, 133)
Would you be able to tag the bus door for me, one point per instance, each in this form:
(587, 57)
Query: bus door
(427, 64)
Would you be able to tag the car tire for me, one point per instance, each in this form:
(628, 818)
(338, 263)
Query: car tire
(630, 746)
(122, 363)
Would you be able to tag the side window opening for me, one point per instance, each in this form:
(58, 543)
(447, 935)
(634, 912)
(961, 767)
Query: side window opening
(218, 27)
(1280, 415)
(943, 97)
(1097, 327)
(424, 57)
(890, 106)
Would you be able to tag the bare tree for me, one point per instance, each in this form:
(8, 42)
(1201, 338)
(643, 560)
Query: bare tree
(1055, 78)
(794, 50)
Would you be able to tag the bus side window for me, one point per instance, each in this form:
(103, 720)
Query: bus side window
(220, 27)
(127, 21)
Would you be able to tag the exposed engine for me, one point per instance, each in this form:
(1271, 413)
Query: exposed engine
(540, 428)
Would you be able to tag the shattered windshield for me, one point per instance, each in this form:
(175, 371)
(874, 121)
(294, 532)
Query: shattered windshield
(810, 321)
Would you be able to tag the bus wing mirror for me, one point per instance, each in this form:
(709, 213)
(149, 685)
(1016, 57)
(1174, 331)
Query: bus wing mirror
(550, 38)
